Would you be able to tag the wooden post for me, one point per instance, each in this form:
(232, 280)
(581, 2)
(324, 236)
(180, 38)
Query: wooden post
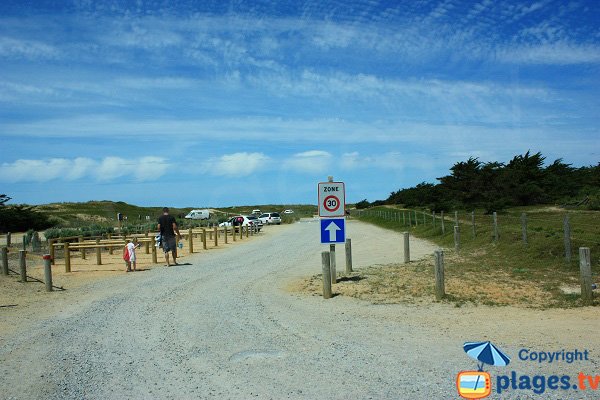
(241, 231)
(416, 219)
(433, 218)
(204, 239)
(147, 244)
(332, 260)
(403, 218)
(154, 257)
(567, 230)
(225, 233)
(409, 220)
(190, 241)
(443, 226)
(81, 250)
(110, 248)
(216, 236)
(51, 248)
(495, 216)
(348, 256)
(5, 261)
(440, 290)
(524, 228)
(23, 265)
(456, 238)
(233, 232)
(473, 223)
(47, 272)
(67, 256)
(455, 218)
(585, 270)
(8, 239)
(325, 266)
(98, 253)
(406, 247)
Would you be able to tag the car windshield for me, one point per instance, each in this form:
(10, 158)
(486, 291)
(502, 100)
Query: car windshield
(251, 217)
(275, 215)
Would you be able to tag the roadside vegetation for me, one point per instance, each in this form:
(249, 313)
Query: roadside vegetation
(486, 271)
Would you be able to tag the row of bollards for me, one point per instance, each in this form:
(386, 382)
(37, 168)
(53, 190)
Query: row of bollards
(328, 262)
(23, 266)
(329, 268)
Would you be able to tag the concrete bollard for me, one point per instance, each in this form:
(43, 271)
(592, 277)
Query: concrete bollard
(47, 272)
(325, 265)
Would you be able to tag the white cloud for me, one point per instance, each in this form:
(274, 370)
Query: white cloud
(236, 164)
(107, 169)
(18, 48)
(309, 161)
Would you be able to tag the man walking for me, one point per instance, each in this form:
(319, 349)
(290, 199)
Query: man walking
(168, 227)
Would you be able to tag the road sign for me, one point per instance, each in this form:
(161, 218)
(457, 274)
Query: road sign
(332, 199)
(333, 230)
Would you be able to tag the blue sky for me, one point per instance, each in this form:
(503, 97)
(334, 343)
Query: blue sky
(219, 103)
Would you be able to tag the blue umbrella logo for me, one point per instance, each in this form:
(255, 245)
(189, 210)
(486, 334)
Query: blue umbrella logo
(486, 353)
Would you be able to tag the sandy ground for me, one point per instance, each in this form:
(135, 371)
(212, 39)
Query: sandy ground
(225, 325)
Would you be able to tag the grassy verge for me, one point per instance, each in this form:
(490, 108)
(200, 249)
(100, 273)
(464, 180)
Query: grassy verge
(486, 271)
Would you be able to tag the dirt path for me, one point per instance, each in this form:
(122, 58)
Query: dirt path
(224, 326)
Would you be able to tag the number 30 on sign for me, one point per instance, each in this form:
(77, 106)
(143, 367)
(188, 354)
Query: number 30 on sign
(332, 199)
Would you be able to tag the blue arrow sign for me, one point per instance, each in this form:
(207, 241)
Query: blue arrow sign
(333, 230)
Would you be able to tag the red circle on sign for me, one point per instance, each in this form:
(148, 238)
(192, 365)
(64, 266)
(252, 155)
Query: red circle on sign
(336, 205)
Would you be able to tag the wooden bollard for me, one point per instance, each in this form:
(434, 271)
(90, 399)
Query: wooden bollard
(348, 256)
(325, 265)
(98, 253)
(110, 248)
(147, 243)
(51, 248)
(442, 221)
(204, 246)
(248, 231)
(67, 257)
(585, 271)
(216, 236)
(225, 233)
(440, 290)
(567, 238)
(241, 231)
(4, 261)
(233, 232)
(47, 272)
(473, 224)
(23, 265)
(406, 247)
(8, 239)
(82, 250)
(154, 257)
(333, 266)
(495, 218)
(190, 241)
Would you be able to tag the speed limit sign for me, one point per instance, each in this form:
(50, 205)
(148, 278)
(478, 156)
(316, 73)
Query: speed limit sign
(332, 199)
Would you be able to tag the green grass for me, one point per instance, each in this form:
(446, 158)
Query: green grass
(541, 262)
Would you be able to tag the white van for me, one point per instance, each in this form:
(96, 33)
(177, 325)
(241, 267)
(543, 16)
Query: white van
(198, 214)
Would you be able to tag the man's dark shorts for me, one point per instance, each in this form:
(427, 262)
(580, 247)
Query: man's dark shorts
(169, 243)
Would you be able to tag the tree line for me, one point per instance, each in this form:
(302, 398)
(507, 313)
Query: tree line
(495, 186)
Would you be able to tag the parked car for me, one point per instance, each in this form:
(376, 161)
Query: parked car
(243, 221)
(270, 218)
(288, 212)
(256, 212)
(254, 219)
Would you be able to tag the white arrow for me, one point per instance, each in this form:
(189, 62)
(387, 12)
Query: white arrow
(332, 228)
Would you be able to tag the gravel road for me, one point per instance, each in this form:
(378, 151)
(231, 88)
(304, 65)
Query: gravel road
(222, 326)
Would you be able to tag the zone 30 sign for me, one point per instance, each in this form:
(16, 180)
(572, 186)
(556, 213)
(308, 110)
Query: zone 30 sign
(332, 199)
